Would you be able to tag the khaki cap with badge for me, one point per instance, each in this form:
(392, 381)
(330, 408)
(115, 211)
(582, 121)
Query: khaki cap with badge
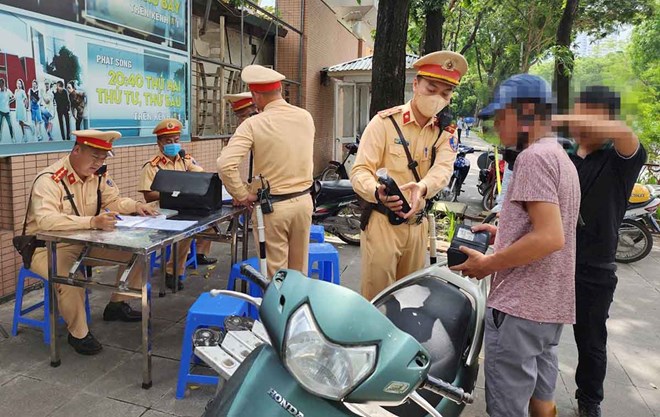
(168, 127)
(446, 66)
(96, 138)
(261, 79)
(239, 101)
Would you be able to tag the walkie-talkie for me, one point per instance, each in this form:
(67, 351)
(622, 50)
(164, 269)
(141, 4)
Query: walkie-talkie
(391, 188)
(263, 197)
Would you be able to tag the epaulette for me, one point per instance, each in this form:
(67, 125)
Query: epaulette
(188, 156)
(154, 161)
(451, 128)
(390, 111)
(59, 174)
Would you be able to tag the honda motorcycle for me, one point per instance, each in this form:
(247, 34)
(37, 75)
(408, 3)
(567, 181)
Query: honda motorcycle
(461, 170)
(337, 170)
(338, 210)
(323, 350)
(635, 232)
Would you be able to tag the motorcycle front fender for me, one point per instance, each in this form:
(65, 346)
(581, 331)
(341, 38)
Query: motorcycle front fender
(261, 386)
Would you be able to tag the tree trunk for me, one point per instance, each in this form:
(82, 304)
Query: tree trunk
(388, 74)
(435, 19)
(563, 68)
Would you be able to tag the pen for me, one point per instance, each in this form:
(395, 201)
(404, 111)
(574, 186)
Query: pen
(116, 217)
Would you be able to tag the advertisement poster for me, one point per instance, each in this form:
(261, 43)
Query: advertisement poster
(57, 77)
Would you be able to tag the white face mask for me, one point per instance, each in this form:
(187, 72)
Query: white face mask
(429, 106)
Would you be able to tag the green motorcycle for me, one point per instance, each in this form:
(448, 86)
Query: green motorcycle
(323, 350)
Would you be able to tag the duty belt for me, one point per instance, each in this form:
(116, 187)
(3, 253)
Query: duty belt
(416, 219)
(283, 197)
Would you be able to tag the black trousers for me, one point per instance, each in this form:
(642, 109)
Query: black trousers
(594, 292)
(459, 134)
(63, 117)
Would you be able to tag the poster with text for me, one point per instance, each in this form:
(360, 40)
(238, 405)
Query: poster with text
(57, 78)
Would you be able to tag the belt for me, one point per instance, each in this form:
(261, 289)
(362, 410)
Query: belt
(417, 219)
(289, 196)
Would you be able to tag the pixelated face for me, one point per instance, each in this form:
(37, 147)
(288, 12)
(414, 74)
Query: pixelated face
(429, 87)
(509, 122)
(581, 133)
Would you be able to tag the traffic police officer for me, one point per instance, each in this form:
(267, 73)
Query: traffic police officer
(75, 193)
(242, 105)
(281, 137)
(171, 156)
(390, 252)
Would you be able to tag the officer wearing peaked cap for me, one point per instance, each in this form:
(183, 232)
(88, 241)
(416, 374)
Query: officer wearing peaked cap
(390, 252)
(281, 137)
(242, 105)
(76, 193)
(171, 156)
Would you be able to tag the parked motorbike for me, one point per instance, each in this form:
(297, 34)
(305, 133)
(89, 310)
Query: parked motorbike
(635, 238)
(461, 170)
(338, 210)
(326, 351)
(337, 170)
(487, 185)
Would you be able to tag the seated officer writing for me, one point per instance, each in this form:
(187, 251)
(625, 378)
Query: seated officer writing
(171, 156)
(76, 193)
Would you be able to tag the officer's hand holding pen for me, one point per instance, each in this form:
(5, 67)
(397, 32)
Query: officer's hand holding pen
(105, 221)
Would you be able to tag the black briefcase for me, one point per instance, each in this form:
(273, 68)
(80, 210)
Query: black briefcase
(190, 193)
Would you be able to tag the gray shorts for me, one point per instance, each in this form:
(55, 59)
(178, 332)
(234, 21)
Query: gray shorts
(521, 363)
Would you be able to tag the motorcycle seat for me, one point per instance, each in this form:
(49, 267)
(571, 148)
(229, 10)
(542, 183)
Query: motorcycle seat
(336, 189)
(632, 206)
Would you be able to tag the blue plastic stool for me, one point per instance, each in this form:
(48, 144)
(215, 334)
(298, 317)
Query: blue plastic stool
(253, 290)
(327, 258)
(206, 311)
(190, 260)
(20, 313)
(317, 233)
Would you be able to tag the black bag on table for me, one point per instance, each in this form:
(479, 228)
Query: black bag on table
(190, 193)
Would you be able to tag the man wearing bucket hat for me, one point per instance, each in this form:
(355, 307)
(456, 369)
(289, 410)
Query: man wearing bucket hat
(76, 193)
(419, 157)
(533, 290)
(281, 138)
(171, 156)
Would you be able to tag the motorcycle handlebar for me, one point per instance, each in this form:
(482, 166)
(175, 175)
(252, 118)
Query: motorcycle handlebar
(440, 387)
(255, 276)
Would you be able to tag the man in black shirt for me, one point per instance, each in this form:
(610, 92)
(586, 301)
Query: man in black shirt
(61, 97)
(608, 158)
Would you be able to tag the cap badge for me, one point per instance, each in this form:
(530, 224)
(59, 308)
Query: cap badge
(170, 125)
(448, 65)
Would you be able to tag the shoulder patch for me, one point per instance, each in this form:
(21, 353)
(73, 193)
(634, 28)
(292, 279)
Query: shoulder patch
(390, 111)
(453, 143)
(59, 174)
(154, 161)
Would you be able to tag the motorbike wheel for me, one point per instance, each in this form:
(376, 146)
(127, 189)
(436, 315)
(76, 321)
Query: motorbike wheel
(455, 191)
(490, 198)
(352, 215)
(635, 242)
(330, 174)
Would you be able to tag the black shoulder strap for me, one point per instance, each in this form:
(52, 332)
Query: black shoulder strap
(30, 199)
(412, 164)
(433, 151)
(70, 197)
(98, 196)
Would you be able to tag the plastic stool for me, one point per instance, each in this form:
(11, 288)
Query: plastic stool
(253, 289)
(190, 260)
(317, 233)
(19, 312)
(327, 258)
(206, 311)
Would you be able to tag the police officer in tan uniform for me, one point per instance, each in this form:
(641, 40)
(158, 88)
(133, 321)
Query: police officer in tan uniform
(171, 156)
(281, 137)
(390, 252)
(242, 105)
(75, 193)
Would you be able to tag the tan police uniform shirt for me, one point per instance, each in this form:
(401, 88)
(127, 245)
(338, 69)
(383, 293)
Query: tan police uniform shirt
(160, 161)
(282, 139)
(51, 209)
(380, 147)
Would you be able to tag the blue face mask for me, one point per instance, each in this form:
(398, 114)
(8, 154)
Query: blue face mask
(171, 149)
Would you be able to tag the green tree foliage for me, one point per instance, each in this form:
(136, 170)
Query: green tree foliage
(65, 65)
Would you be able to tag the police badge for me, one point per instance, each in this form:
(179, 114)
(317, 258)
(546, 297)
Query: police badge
(453, 143)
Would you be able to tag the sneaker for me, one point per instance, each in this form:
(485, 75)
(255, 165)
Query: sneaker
(169, 282)
(88, 345)
(121, 311)
(588, 409)
(204, 260)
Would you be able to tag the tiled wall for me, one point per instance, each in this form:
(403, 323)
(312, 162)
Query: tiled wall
(18, 172)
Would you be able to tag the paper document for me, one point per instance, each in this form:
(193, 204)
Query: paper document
(226, 197)
(155, 222)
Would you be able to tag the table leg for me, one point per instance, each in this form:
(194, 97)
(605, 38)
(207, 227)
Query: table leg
(163, 272)
(234, 242)
(51, 249)
(146, 326)
(175, 271)
(246, 236)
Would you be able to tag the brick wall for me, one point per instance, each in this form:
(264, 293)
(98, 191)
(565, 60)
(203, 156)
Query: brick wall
(18, 172)
(326, 42)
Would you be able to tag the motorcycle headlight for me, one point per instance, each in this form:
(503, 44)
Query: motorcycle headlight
(324, 368)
